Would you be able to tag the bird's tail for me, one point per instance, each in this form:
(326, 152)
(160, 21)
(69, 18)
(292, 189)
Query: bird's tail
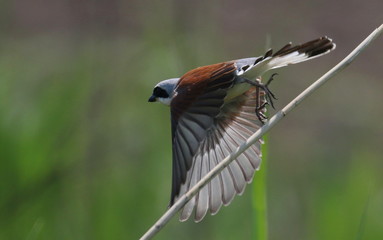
(294, 54)
(287, 55)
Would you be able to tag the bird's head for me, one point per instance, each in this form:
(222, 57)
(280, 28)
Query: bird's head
(163, 91)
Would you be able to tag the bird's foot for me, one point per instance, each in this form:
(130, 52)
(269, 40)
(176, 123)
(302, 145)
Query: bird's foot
(269, 96)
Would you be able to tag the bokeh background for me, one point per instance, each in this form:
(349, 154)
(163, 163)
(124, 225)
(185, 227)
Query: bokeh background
(85, 156)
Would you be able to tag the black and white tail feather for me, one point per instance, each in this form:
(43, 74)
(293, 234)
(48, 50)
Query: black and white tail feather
(287, 55)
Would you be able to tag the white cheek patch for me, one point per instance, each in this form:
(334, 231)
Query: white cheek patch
(165, 101)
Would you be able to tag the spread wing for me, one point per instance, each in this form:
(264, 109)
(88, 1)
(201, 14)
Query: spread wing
(205, 129)
(206, 126)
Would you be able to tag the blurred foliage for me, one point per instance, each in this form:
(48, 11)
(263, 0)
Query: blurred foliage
(84, 156)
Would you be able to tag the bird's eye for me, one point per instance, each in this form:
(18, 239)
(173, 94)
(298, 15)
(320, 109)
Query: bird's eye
(159, 92)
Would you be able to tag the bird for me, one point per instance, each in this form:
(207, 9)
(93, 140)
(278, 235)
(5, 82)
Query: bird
(214, 109)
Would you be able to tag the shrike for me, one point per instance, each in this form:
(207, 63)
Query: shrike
(214, 109)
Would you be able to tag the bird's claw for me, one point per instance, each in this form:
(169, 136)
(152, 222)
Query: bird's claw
(269, 96)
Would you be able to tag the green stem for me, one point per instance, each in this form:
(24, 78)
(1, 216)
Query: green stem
(260, 196)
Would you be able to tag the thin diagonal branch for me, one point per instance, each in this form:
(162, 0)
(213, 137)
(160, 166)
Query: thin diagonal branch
(258, 134)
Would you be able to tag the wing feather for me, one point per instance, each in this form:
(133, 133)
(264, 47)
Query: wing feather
(228, 185)
(234, 169)
(202, 205)
(205, 131)
(216, 185)
(194, 113)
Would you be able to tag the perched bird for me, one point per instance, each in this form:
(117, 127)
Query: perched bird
(214, 109)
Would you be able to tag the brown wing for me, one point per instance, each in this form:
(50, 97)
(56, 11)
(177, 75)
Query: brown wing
(198, 98)
(200, 81)
(205, 130)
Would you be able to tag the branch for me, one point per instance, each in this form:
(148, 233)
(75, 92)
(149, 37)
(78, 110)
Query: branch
(258, 134)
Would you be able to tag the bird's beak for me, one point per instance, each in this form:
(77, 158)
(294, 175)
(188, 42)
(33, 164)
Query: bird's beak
(152, 98)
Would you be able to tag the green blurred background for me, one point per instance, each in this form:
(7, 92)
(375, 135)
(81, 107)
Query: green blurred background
(83, 155)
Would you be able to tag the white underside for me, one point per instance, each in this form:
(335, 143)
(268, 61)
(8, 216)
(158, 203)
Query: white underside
(237, 90)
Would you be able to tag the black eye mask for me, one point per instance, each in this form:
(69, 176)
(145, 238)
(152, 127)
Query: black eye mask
(159, 92)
